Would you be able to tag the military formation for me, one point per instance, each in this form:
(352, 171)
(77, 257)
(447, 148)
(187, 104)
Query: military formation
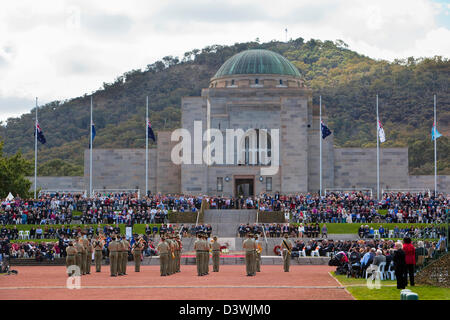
(80, 252)
(169, 249)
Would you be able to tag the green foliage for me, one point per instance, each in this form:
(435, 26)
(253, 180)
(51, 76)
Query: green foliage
(347, 81)
(58, 167)
(76, 213)
(13, 170)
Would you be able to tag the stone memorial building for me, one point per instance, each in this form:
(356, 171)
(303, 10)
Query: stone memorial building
(258, 92)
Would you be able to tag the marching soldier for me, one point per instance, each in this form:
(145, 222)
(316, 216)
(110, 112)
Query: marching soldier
(113, 248)
(258, 254)
(178, 255)
(163, 250)
(197, 248)
(138, 246)
(215, 248)
(98, 255)
(286, 246)
(249, 248)
(125, 248)
(71, 258)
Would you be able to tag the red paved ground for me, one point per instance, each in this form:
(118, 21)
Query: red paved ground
(303, 282)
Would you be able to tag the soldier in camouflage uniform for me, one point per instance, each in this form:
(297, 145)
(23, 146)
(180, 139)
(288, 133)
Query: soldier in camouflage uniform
(163, 250)
(138, 246)
(197, 248)
(89, 251)
(98, 255)
(215, 248)
(257, 254)
(80, 250)
(205, 254)
(126, 247)
(71, 258)
(178, 253)
(286, 246)
(249, 248)
(113, 248)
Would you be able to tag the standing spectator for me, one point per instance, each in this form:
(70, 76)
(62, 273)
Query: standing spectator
(324, 231)
(410, 259)
(399, 265)
(301, 230)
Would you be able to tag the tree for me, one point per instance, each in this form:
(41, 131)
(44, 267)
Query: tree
(13, 170)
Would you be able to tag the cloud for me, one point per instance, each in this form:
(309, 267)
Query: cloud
(106, 25)
(14, 106)
(62, 49)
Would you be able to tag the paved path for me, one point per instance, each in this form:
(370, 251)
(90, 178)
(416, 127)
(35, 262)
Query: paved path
(303, 282)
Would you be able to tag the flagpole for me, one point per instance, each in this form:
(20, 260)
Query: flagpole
(90, 157)
(320, 139)
(146, 149)
(378, 154)
(35, 149)
(435, 149)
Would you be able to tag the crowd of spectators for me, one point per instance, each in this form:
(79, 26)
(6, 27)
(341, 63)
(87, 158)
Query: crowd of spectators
(412, 231)
(128, 208)
(328, 247)
(360, 207)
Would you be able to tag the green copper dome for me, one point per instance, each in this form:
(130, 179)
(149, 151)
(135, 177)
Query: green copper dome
(257, 61)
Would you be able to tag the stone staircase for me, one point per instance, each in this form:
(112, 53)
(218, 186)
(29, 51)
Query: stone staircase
(225, 223)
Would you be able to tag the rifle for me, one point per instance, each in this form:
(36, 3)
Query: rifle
(287, 246)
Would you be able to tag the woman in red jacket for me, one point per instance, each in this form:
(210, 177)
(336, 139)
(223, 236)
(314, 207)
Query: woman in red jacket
(410, 259)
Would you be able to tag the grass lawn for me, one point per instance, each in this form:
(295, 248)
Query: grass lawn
(388, 290)
(342, 228)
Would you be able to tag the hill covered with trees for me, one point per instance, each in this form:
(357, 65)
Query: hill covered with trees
(347, 81)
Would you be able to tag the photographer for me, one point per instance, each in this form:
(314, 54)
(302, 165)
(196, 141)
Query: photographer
(4, 254)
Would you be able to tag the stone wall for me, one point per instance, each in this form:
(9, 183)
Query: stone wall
(357, 168)
(168, 177)
(294, 144)
(193, 176)
(120, 169)
(59, 183)
(427, 182)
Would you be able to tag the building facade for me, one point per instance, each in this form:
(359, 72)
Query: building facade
(258, 104)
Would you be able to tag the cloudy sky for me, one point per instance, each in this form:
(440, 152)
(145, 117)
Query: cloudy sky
(61, 49)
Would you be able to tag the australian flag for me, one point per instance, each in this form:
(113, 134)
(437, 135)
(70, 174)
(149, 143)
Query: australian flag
(150, 133)
(40, 134)
(93, 135)
(325, 131)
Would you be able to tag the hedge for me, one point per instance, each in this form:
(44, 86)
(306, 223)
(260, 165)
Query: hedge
(271, 217)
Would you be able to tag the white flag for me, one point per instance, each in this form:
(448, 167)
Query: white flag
(381, 132)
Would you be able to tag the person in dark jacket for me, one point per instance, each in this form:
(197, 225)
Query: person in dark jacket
(400, 265)
(410, 259)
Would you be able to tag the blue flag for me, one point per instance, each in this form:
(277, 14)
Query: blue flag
(93, 135)
(433, 135)
(150, 133)
(325, 131)
(40, 134)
